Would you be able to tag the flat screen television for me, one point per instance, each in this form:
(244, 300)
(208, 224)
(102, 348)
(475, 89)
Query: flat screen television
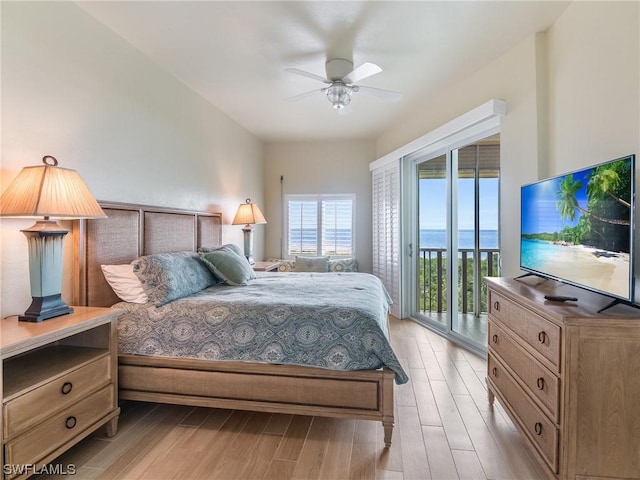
(578, 228)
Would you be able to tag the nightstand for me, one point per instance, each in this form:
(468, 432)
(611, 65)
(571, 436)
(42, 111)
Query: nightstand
(59, 384)
(265, 266)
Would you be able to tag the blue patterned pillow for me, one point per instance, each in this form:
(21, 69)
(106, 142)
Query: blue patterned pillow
(336, 265)
(343, 265)
(229, 267)
(168, 276)
(283, 265)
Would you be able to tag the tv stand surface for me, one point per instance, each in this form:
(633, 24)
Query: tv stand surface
(568, 376)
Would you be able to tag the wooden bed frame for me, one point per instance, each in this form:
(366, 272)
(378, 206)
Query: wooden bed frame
(133, 230)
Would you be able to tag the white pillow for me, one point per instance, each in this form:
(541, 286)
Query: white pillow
(124, 283)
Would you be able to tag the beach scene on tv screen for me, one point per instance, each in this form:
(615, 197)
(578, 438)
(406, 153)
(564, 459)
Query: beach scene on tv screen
(576, 227)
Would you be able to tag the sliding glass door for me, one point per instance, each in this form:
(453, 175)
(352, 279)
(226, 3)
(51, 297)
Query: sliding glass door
(433, 238)
(458, 238)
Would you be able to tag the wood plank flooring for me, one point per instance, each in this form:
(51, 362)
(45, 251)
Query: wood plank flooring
(444, 430)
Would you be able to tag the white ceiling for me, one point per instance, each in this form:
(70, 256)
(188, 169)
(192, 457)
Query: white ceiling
(234, 53)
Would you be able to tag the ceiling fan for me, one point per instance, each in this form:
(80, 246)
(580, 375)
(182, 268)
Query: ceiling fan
(341, 79)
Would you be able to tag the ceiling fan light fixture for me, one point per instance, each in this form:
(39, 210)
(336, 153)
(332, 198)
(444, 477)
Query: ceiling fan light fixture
(340, 81)
(339, 95)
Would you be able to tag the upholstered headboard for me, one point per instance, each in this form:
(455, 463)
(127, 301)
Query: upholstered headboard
(128, 232)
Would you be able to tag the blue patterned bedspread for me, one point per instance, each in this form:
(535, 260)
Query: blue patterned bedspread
(329, 320)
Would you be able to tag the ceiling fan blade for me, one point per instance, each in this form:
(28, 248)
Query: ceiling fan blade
(363, 71)
(303, 95)
(380, 93)
(297, 71)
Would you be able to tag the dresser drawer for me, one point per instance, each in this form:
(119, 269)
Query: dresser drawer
(540, 382)
(27, 410)
(539, 333)
(60, 428)
(540, 430)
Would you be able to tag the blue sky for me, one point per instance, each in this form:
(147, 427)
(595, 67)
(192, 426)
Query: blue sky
(433, 215)
(539, 211)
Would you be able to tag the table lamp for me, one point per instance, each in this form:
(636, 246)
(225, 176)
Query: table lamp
(248, 214)
(47, 191)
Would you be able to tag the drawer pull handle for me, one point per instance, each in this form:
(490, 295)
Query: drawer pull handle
(495, 338)
(496, 306)
(70, 422)
(538, 428)
(540, 383)
(66, 388)
(494, 371)
(542, 337)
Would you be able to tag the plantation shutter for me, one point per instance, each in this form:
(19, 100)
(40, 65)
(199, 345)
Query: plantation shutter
(321, 224)
(303, 227)
(386, 230)
(337, 227)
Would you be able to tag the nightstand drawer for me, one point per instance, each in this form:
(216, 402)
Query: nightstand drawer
(536, 331)
(27, 410)
(54, 432)
(540, 430)
(543, 384)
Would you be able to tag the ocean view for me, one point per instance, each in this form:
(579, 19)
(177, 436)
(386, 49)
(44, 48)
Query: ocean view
(438, 238)
(306, 239)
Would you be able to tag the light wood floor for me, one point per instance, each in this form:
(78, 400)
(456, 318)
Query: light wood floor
(444, 430)
(467, 325)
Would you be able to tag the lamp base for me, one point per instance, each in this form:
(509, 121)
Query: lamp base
(43, 308)
(248, 244)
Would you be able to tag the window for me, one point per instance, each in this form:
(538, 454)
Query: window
(320, 225)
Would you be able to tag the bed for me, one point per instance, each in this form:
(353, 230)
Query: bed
(149, 373)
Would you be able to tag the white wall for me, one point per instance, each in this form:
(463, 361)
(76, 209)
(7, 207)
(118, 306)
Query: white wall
(594, 84)
(73, 89)
(320, 167)
(511, 78)
(572, 97)
(594, 90)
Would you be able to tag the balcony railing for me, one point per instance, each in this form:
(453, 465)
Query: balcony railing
(432, 276)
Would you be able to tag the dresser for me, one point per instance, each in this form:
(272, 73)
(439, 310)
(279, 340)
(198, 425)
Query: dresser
(568, 377)
(59, 384)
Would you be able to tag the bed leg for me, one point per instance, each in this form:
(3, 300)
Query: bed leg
(386, 394)
(388, 431)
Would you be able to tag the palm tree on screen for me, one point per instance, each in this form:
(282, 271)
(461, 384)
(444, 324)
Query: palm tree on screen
(603, 182)
(567, 203)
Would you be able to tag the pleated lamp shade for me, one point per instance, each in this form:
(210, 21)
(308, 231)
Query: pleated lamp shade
(49, 191)
(248, 214)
